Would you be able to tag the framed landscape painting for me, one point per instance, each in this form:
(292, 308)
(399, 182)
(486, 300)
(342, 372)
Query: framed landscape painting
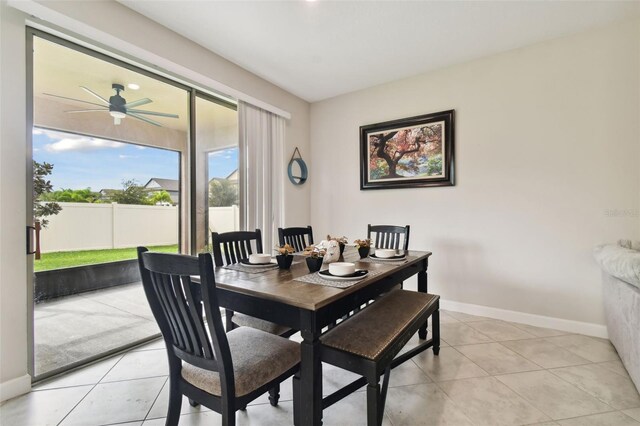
(406, 153)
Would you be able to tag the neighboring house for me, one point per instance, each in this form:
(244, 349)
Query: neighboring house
(106, 193)
(172, 186)
(233, 176)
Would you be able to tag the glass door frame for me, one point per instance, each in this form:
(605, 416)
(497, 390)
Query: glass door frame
(186, 215)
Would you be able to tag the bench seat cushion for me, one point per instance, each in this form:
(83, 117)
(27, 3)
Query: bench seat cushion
(371, 331)
(257, 357)
(260, 324)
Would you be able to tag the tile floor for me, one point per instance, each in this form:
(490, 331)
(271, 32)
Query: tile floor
(489, 372)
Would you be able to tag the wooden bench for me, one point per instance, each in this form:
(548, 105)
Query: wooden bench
(368, 342)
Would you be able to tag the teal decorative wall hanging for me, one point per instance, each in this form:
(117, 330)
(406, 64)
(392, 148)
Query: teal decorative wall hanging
(304, 173)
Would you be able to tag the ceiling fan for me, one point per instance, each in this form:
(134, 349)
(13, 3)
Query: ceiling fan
(118, 107)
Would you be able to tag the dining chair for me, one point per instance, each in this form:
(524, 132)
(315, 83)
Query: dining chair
(297, 237)
(389, 236)
(235, 246)
(222, 371)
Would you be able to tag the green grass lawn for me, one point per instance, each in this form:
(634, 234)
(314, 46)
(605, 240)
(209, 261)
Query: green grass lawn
(67, 259)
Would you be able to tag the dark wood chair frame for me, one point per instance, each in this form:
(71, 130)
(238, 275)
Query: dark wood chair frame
(236, 245)
(371, 370)
(178, 304)
(295, 237)
(389, 236)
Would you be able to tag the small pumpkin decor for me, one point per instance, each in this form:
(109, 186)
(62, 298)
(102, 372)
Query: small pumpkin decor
(315, 257)
(342, 241)
(284, 256)
(363, 247)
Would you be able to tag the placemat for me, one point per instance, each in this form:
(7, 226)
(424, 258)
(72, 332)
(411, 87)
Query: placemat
(315, 278)
(251, 269)
(254, 269)
(388, 262)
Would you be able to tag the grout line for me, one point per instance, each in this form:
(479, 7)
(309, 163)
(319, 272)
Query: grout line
(90, 390)
(156, 399)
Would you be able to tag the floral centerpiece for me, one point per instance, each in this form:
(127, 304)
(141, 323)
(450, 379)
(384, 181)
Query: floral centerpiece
(315, 257)
(363, 247)
(284, 256)
(342, 241)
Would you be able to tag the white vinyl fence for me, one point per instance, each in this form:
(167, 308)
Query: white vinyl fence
(85, 226)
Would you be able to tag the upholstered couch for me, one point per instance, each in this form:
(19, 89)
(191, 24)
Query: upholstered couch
(621, 286)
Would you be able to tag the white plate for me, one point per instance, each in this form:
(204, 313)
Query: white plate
(388, 259)
(258, 265)
(338, 278)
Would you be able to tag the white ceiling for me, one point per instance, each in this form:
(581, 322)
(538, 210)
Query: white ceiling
(317, 50)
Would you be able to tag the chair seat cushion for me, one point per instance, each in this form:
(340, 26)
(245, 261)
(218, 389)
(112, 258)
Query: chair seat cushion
(372, 330)
(260, 324)
(258, 358)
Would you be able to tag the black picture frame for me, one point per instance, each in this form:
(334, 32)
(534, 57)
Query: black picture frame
(416, 135)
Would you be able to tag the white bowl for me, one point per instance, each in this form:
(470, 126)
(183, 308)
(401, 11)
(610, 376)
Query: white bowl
(259, 258)
(385, 253)
(341, 269)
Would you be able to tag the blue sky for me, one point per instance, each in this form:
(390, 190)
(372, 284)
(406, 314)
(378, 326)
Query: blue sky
(82, 161)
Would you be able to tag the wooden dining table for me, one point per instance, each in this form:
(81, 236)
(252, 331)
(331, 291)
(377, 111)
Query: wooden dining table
(276, 296)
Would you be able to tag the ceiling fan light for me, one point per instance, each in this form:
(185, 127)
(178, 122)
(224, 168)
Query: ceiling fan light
(117, 114)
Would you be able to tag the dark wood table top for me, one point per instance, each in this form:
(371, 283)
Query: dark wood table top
(278, 284)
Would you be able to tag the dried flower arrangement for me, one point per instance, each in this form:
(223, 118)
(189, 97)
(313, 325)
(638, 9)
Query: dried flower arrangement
(284, 250)
(363, 243)
(314, 252)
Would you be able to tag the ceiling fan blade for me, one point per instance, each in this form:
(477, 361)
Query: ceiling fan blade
(91, 92)
(139, 117)
(159, 114)
(73, 99)
(89, 110)
(139, 102)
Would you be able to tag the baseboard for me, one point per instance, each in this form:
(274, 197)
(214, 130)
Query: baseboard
(15, 387)
(590, 329)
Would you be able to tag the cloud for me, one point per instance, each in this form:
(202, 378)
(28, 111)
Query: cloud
(36, 131)
(122, 156)
(141, 147)
(81, 144)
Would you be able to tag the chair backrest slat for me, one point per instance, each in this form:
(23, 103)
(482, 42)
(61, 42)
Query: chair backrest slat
(236, 245)
(389, 236)
(297, 237)
(180, 307)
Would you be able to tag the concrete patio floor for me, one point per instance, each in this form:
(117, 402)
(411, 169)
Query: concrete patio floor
(75, 328)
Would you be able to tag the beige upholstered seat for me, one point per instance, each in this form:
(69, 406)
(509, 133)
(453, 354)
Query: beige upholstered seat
(257, 357)
(372, 330)
(248, 321)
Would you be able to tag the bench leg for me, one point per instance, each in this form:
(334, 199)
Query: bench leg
(373, 409)
(435, 331)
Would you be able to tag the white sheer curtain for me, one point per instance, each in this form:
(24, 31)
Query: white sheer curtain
(261, 172)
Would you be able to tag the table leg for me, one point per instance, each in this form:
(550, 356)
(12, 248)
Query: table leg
(310, 380)
(422, 287)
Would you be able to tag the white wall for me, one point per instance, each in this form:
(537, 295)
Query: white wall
(13, 163)
(13, 160)
(547, 146)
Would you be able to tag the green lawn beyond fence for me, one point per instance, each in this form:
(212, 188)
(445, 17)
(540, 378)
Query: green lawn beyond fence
(67, 259)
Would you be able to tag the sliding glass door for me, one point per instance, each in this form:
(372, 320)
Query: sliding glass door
(110, 152)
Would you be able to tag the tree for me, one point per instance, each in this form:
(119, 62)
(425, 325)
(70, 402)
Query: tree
(160, 197)
(131, 193)
(407, 144)
(41, 186)
(223, 193)
(72, 196)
